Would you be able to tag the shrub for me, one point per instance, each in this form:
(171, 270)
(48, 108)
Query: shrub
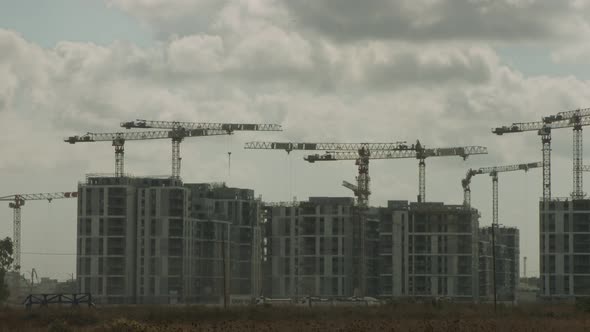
(583, 304)
(126, 325)
(59, 326)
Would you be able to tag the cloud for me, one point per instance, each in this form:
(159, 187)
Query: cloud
(305, 82)
(350, 20)
(572, 54)
(196, 54)
(165, 17)
(428, 20)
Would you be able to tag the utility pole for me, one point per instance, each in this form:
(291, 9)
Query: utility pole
(525, 267)
(74, 286)
(33, 276)
(224, 253)
(494, 265)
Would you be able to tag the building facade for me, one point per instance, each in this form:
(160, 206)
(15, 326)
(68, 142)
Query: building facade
(160, 238)
(158, 241)
(429, 250)
(224, 243)
(507, 245)
(106, 239)
(393, 249)
(565, 248)
(309, 248)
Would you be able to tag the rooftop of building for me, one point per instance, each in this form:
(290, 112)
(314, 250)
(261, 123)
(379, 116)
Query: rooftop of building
(427, 206)
(129, 180)
(316, 200)
(501, 228)
(219, 191)
(565, 203)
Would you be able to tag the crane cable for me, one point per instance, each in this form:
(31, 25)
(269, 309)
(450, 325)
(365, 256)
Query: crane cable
(294, 193)
(228, 147)
(289, 177)
(526, 219)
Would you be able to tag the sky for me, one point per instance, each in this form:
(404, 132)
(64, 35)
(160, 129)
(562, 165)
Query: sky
(439, 71)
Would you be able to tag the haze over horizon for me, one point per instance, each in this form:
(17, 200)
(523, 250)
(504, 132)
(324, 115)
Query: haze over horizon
(443, 72)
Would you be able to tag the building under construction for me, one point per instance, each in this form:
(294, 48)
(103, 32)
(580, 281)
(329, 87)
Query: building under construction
(224, 243)
(429, 250)
(312, 248)
(507, 253)
(565, 248)
(129, 243)
(157, 241)
(417, 250)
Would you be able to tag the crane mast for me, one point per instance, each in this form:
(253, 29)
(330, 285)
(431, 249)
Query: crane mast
(575, 119)
(16, 202)
(179, 127)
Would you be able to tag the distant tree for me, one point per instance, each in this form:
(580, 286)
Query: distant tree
(6, 260)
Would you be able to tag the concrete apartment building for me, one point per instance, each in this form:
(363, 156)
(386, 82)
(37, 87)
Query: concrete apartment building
(429, 250)
(224, 235)
(124, 253)
(160, 239)
(507, 244)
(157, 241)
(565, 248)
(310, 249)
(485, 270)
(393, 275)
(106, 239)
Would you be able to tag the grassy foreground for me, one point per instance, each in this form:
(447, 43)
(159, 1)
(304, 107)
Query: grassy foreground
(400, 317)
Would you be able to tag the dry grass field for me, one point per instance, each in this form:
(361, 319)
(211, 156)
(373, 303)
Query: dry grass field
(400, 317)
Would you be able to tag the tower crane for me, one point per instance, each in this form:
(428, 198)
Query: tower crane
(417, 151)
(119, 139)
(16, 202)
(493, 172)
(575, 116)
(572, 119)
(361, 152)
(178, 126)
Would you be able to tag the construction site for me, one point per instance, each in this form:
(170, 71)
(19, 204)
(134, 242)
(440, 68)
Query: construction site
(161, 240)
